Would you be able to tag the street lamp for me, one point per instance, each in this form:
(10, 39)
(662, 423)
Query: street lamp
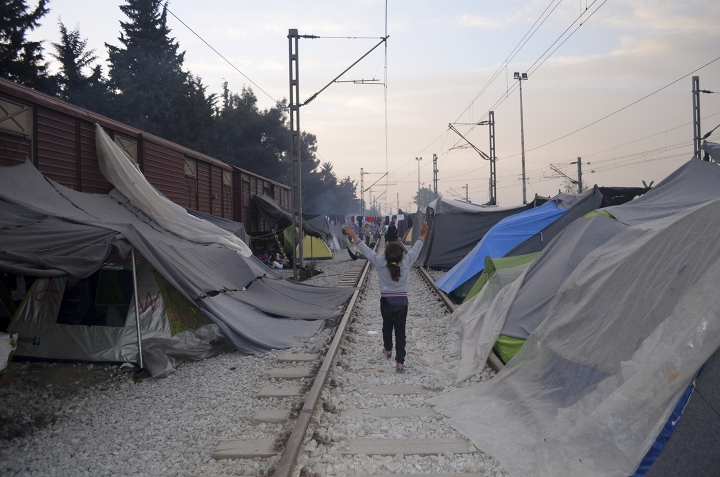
(522, 77)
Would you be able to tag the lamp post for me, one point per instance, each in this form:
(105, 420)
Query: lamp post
(522, 77)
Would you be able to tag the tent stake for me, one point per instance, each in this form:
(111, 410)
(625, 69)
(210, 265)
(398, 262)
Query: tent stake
(137, 310)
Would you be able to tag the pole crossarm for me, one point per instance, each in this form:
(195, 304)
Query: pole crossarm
(376, 180)
(482, 154)
(558, 171)
(383, 40)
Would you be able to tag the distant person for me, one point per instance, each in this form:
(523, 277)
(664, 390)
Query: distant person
(367, 232)
(393, 271)
(391, 233)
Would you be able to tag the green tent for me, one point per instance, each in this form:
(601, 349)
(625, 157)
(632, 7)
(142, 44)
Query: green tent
(492, 265)
(313, 247)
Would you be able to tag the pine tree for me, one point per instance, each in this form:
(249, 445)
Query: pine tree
(22, 60)
(146, 71)
(249, 138)
(75, 86)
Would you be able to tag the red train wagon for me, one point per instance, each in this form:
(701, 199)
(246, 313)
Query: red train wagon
(59, 139)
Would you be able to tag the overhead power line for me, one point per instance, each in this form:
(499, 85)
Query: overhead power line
(221, 56)
(619, 110)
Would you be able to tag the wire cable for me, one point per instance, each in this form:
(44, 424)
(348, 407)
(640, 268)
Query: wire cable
(221, 56)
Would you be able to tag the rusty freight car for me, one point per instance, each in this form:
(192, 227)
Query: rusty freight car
(59, 139)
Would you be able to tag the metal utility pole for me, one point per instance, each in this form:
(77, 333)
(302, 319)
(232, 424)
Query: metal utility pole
(697, 136)
(398, 202)
(435, 178)
(491, 158)
(418, 159)
(296, 186)
(362, 192)
(522, 77)
(466, 194)
(579, 179)
(572, 181)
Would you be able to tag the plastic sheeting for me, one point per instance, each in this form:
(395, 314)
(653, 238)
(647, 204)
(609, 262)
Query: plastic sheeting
(455, 227)
(195, 270)
(161, 355)
(473, 322)
(121, 173)
(522, 233)
(231, 226)
(62, 248)
(592, 387)
(277, 217)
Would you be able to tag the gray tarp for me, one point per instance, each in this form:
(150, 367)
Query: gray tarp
(278, 218)
(577, 205)
(694, 447)
(67, 248)
(195, 270)
(418, 220)
(622, 336)
(230, 225)
(455, 227)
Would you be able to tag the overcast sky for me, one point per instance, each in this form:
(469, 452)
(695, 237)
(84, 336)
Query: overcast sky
(440, 57)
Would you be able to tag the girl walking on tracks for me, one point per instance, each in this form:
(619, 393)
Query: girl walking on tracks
(393, 271)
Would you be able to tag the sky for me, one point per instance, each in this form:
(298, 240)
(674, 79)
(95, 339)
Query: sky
(452, 62)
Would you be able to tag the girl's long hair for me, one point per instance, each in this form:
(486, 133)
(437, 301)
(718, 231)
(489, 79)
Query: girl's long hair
(394, 253)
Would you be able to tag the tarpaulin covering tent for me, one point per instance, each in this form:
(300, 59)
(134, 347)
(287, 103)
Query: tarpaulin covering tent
(279, 218)
(455, 227)
(253, 307)
(689, 444)
(519, 234)
(623, 336)
(414, 234)
(236, 228)
(477, 338)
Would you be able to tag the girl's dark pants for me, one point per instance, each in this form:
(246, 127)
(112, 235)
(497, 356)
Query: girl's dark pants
(394, 317)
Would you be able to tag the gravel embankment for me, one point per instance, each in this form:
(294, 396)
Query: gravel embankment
(432, 355)
(65, 419)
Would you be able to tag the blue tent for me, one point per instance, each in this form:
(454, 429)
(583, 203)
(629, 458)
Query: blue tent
(522, 233)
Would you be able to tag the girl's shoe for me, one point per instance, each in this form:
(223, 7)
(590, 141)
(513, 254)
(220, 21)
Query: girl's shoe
(388, 354)
(400, 368)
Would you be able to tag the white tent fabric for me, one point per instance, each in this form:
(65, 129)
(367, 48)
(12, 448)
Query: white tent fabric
(480, 320)
(121, 173)
(591, 388)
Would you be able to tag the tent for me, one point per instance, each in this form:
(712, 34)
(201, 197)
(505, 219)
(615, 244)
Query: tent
(313, 247)
(519, 234)
(236, 228)
(455, 227)
(52, 231)
(623, 335)
(93, 319)
(477, 339)
(418, 220)
(279, 218)
(688, 443)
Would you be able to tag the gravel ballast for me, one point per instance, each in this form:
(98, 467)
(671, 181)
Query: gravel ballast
(70, 419)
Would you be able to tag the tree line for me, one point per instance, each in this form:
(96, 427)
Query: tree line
(147, 87)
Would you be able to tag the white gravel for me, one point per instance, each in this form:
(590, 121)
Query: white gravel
(109, 425)
(432, 357)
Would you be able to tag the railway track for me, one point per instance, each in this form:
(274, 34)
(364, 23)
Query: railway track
(359, 417)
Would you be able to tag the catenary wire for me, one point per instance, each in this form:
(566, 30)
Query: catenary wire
(221, 56)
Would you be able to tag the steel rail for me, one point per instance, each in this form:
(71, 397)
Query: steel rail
(288, 459)
(493, 361)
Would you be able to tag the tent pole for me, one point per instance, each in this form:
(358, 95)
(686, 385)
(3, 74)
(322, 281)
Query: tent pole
(137, 310)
